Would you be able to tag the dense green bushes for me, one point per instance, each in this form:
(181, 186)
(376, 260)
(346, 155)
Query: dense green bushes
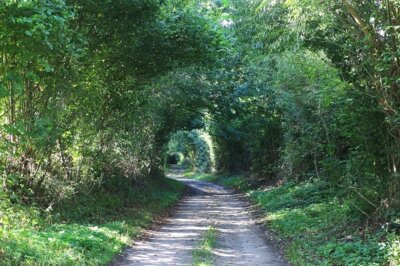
(90, 91)
(302, 100)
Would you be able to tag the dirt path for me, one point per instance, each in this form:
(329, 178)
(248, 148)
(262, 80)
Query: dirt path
(240, 240)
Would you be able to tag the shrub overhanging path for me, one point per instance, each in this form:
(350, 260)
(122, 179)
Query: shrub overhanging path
(239, 241)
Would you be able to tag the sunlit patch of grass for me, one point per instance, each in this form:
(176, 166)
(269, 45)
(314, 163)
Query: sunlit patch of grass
(235, 181)
(61, 244)
(89, 232)
(202, 255)
(189, 172)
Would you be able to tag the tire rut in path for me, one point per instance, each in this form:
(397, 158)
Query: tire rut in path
(240, 240)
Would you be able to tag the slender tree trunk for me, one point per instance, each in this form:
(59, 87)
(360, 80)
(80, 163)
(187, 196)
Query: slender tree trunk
(11, 110)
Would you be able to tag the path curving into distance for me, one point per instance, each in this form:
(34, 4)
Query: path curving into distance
(240, 240)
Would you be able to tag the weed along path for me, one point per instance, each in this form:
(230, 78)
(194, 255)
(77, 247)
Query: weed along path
(239, 241)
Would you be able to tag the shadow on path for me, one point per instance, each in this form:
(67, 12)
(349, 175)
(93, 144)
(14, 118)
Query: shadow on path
(240, 240)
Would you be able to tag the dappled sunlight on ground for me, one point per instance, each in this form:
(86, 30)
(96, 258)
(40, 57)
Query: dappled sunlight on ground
(240, 241)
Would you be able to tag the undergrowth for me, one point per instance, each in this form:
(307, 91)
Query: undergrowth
(86, 231)
(202, 255)
(319, 227)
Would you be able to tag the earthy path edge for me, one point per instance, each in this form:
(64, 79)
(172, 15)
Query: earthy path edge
(158, 221)
(258, 214)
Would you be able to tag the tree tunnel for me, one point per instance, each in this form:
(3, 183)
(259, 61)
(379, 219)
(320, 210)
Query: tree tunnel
(190, 149)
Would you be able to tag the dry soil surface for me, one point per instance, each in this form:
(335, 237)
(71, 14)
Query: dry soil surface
(240, 240)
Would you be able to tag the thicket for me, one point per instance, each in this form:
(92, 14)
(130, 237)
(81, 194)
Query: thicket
(311, 91)
(90, 91)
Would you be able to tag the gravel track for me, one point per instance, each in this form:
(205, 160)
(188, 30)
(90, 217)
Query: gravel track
(240, 240)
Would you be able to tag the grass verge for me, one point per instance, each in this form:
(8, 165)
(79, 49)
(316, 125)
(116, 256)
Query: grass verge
(87, 231)
(319, 227)
(202, 255)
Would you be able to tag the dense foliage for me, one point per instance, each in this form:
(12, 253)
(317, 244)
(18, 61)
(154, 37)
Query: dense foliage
(311, 91)
(91, 91)
(97, 95)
